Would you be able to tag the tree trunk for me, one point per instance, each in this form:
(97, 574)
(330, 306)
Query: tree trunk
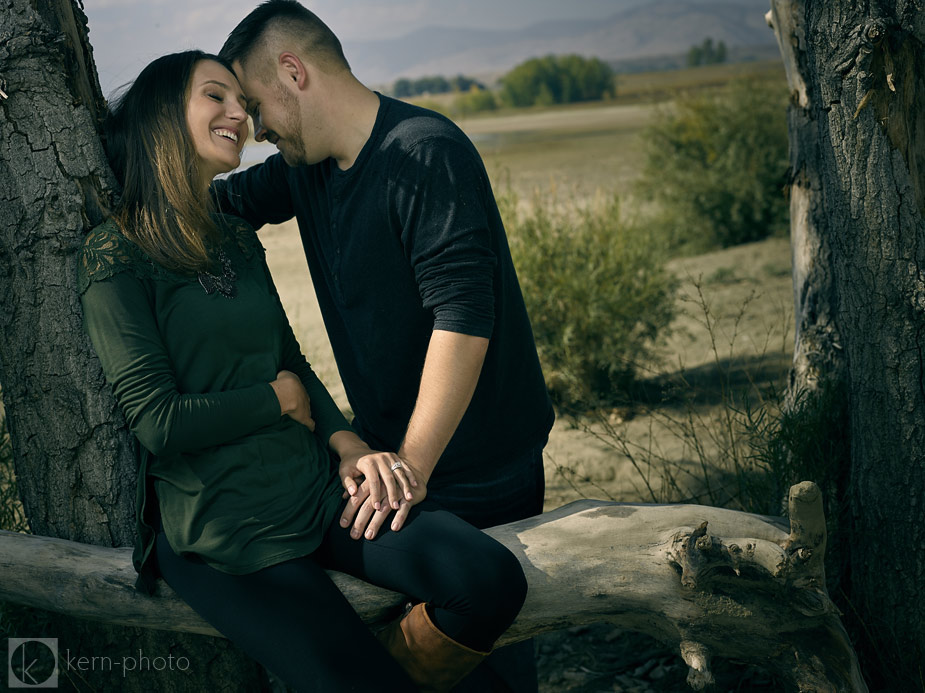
(857, 126)
(706, 581)
(73, 457)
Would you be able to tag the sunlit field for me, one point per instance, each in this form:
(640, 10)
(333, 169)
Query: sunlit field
(579, 149)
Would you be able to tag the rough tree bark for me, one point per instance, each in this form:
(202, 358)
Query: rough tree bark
(707, 581)
(857, 127)
(73, 456)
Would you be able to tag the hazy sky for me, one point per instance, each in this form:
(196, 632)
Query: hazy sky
(127, 34)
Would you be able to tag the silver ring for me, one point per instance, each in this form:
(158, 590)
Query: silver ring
(396, 465)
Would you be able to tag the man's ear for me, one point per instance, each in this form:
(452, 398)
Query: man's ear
(293, 70)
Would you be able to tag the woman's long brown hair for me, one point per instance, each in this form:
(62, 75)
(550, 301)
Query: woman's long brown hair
(162, 208)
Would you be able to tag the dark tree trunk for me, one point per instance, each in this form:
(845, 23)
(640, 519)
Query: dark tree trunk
(857, 127)
(73, 457)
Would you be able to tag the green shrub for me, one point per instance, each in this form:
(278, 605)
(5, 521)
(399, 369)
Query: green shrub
(474, 101)
(557, 79)
(597, 293)
(716, 165)
(802, 439)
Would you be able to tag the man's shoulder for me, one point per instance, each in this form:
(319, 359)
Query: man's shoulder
(409, 126)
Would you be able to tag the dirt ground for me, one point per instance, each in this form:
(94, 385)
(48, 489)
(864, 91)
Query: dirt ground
(604, 659)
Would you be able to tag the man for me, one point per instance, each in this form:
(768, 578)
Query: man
(413, 275)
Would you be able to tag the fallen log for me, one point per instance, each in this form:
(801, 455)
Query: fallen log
(708, 581)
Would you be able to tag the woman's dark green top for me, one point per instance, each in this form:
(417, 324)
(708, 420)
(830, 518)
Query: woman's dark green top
(237, 483)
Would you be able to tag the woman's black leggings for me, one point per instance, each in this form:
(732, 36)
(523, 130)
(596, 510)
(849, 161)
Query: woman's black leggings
(292, 619)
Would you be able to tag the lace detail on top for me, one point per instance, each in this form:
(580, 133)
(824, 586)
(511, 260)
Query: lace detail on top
(106, 253)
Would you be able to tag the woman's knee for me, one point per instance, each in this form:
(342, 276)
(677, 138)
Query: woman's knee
(492, 582)
(507, 582)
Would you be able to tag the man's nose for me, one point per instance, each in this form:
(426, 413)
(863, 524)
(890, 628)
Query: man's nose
(260, 132)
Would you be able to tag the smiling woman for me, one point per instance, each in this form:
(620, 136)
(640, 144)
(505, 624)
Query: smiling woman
(154, 132)
(216, 119)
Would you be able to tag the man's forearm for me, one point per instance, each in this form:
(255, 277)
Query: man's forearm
(451, 371)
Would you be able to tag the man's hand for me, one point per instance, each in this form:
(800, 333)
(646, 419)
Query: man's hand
(390, 485)
(375, 466)
(293, 399)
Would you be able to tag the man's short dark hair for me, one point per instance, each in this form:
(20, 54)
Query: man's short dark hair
(314, 37)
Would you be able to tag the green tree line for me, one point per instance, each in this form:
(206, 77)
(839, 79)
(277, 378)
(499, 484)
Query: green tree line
(435, 84)
(536, 82)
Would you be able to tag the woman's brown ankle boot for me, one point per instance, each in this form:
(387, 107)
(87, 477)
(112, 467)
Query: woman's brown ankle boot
(434, 661)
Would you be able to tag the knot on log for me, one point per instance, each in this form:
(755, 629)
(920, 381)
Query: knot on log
(874, 33)
(857, 50)
(700, 556)
(792, 568)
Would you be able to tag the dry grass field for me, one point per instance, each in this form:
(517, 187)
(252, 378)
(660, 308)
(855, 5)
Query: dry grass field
(651, 87)
(578, 149)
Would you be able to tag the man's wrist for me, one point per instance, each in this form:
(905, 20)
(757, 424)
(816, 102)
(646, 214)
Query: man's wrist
(418, 463)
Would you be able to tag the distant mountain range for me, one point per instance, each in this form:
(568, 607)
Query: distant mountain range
(662, 27)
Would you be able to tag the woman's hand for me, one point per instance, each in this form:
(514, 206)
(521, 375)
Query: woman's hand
(385, 474)
(293, 399)
(389, 484)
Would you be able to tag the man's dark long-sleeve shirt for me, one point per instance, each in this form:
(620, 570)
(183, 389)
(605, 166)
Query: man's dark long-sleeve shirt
(406, 241)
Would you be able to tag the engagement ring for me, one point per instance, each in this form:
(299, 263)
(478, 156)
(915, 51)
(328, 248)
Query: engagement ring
(395, 466)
